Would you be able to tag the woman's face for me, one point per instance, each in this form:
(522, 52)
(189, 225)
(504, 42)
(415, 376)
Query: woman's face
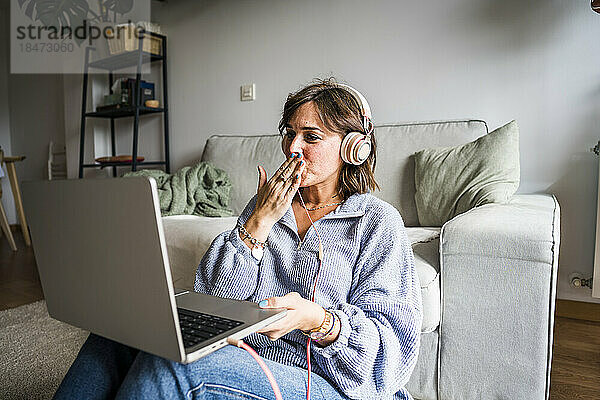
(320, 147)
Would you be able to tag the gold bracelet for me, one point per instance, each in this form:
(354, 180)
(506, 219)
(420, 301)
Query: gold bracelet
(324, 329)
(318, 327)
(330, 329)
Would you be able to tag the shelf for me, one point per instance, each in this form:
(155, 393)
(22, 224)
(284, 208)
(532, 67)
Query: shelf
(124, 60)
(124, 112)
(122, 164)
(133, 59)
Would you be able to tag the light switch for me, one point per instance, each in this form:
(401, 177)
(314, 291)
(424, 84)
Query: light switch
(248, 92)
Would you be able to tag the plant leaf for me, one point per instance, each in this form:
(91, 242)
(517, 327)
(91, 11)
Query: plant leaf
(119, 6)
(49, 12)
(29, 9)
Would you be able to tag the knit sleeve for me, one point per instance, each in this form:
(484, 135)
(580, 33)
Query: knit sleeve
(228, 269)
(377, 348)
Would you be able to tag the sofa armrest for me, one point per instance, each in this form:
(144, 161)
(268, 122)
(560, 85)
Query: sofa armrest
(187, 238)
(498, 266)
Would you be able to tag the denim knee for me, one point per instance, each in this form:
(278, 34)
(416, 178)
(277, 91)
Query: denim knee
(211, 391)
(98, 370)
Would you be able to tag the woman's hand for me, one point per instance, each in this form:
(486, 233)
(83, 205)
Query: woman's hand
(302, 314)
(274, 196)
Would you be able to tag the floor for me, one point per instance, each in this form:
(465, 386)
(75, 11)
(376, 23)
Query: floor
(575, 371)
(19, 280)
(575, 364)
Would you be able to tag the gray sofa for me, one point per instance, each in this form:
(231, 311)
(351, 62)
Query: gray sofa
(488, 276)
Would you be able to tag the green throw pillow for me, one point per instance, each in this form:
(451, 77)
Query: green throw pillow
(452, 180)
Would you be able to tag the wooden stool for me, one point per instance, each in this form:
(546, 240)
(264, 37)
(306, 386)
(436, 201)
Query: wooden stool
(14, 184)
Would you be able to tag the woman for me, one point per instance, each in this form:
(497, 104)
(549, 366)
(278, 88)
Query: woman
(366, 308)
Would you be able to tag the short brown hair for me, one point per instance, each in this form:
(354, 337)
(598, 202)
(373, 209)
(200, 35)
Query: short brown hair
(340, 113)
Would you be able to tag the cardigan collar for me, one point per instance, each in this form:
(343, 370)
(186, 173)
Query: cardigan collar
(354, 206)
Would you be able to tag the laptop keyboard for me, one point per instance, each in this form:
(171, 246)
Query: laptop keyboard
(197, 327)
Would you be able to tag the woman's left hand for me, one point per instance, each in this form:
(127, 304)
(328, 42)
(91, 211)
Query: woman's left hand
(302, 314)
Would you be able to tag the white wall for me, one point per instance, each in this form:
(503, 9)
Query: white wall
(7, 197)
(36, 118)
(31, 115)
(534, 61)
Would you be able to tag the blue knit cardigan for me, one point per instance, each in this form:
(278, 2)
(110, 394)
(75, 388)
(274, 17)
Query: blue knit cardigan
(368, 280)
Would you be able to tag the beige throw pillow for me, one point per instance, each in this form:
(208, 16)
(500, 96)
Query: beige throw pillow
(452, 180)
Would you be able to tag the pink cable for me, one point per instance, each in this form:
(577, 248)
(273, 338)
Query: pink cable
(267, 371)
(313, 291)
(250, 350)
(308, 360)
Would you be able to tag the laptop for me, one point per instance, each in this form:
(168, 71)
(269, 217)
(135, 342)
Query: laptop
(102, 259)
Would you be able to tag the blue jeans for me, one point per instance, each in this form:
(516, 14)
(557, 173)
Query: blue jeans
(105, 369)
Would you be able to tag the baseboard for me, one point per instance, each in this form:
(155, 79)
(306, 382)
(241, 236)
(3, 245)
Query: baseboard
(578, 310)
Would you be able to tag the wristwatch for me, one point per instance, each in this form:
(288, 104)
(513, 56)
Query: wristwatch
(324, 329)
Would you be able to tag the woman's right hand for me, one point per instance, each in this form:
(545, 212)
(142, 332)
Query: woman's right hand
(274, 196)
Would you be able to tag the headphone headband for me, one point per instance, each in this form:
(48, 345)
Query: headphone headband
(365, 109)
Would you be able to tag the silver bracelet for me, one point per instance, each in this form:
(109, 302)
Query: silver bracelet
(257, 250)
(252, 239)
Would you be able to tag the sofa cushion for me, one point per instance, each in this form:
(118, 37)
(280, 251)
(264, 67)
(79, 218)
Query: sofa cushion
(426, 248)
(396, 144)
(189, 236)
(452, 180)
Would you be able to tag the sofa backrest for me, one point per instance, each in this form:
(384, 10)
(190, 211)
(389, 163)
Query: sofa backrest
(239, 156)
(396, 143)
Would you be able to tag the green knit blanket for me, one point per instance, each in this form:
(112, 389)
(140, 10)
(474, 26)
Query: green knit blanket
(201, 189)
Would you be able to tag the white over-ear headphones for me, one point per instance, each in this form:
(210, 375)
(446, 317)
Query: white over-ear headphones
(356, 146)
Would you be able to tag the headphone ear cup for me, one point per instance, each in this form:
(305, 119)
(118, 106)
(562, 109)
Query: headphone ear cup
(355, 148)
(362, 150)
(346, 147)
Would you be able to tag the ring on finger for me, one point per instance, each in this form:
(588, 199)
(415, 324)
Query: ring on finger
(282, 172)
